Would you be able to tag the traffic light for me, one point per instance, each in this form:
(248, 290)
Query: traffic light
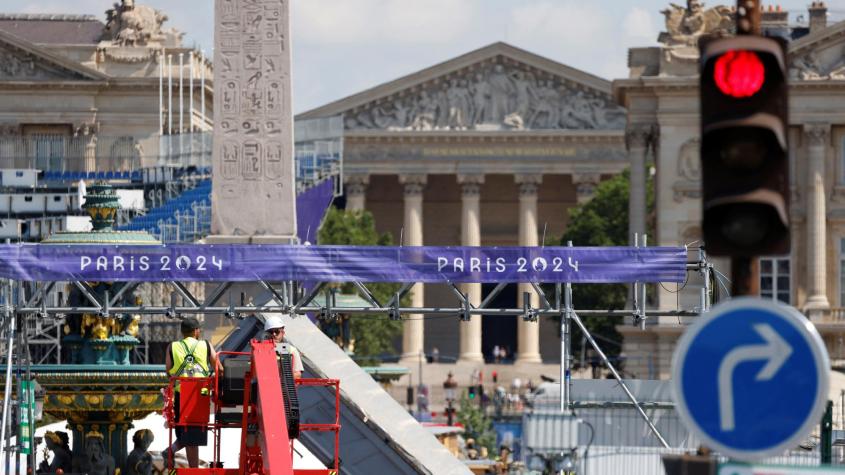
(744, 146)
(471, 392)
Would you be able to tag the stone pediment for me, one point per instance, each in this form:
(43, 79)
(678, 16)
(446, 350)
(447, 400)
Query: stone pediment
(21, 60)
(819, 55)
(498, 87)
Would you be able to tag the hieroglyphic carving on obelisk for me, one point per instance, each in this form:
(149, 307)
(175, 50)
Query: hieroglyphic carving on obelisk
(253, 197)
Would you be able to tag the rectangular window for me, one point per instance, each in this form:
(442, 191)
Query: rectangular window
(775, 279)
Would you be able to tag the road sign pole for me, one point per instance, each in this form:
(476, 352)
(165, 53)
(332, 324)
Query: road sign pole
(826, 430)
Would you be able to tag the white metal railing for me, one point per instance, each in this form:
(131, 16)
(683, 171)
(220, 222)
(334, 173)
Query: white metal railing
(317, 160)
(186, 226)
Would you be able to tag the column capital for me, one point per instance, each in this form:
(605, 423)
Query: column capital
(356, 184)
(585, 185)
(640, 135)
(413, 183)
(817, 133)
(470, 184)
(528, 183)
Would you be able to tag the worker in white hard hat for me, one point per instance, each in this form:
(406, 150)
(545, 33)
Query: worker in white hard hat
(274, 329)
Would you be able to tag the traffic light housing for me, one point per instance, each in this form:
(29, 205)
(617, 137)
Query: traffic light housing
(471, 392)
(744, 146)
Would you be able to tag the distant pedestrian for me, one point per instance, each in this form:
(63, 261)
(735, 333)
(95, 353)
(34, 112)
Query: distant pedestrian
(503, 354)
(516, 385)
(422, 399)
(496, 354)
(435, 355)
(449, 387)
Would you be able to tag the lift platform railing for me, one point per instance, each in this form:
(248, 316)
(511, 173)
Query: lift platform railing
(326, 427)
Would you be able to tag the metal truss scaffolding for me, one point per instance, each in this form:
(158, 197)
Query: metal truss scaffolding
(35, 303)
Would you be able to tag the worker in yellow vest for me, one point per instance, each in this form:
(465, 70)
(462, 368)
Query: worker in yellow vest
(189, 357)
(274, 329)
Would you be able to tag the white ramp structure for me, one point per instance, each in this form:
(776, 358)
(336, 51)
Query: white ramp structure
(378, 434)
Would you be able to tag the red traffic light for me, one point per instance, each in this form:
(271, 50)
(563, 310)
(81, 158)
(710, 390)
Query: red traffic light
(739, 73)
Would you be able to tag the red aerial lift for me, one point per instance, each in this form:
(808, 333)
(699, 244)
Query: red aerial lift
(260, 383)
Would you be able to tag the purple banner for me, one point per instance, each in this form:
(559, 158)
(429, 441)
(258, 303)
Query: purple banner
(196, 262)
(311, 206)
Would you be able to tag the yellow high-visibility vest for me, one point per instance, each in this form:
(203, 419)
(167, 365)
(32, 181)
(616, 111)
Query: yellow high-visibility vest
(190, 359)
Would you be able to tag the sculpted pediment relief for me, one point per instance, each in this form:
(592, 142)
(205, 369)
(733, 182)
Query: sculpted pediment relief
(496, 95)
(17, 64)
(819, 63)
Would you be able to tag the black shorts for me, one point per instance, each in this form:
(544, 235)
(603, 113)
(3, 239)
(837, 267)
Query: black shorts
(189, 435)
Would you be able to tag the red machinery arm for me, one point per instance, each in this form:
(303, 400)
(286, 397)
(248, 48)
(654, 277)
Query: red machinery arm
(268, 413)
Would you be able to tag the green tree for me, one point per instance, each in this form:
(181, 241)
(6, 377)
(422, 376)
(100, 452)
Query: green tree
(603, 221)
(373, 334)
(476, 424)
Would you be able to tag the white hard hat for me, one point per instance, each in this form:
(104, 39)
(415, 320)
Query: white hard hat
(273, 322)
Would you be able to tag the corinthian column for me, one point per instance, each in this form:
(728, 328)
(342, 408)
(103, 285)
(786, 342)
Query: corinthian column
(637, 139)
(817, 136)
(528, 333)
(356, 192)
(471, 236)
(413, 328)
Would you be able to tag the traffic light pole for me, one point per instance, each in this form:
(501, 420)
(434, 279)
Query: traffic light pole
(745, 276)
(748, 17)
(745, 271)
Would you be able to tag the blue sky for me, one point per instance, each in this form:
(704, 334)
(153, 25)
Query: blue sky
(344, 46)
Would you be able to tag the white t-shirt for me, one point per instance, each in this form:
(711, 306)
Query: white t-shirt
(296, 357)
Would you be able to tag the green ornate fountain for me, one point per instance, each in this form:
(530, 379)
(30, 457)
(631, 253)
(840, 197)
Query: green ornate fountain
(98, 391)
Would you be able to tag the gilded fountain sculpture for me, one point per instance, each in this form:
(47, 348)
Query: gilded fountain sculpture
(98, 391)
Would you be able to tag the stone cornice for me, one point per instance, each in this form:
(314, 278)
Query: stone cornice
(47, 17)
(471, 137)
(38, 87)
(624, 88)
(126, 86)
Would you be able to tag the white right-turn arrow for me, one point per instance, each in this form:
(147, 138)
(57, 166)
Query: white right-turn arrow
(775, 350)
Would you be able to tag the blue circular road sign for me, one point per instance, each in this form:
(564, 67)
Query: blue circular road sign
(750, 378)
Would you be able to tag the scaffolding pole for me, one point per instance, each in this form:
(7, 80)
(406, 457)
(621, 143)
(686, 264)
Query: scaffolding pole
(9, 317)
(619, 379)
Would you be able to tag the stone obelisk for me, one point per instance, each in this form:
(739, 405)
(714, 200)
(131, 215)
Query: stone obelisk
(253, 192)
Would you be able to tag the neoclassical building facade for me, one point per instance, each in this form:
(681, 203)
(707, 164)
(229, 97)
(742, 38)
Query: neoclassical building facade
(661, 97)
(491, 148)
(82, 95)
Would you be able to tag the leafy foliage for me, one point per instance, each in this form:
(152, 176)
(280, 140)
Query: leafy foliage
(373, 334)
(476, 424)
(602, 221)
